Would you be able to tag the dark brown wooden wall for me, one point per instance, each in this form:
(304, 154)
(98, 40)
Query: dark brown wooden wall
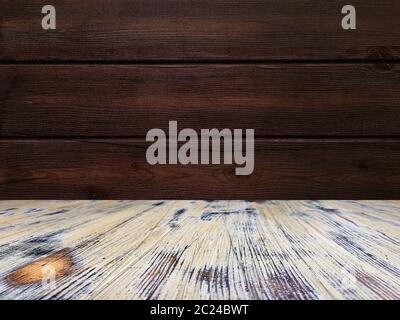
(77, 102)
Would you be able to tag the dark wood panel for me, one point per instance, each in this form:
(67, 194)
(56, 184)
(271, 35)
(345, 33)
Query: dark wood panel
(209, 29)
(280, 100)
(117, 169)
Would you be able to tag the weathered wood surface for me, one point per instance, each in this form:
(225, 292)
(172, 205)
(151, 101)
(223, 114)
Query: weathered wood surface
(276, 100)
(201, 250)
(192, 30)
(117, 169)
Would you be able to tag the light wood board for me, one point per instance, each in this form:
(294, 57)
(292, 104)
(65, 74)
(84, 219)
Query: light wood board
(200, 249)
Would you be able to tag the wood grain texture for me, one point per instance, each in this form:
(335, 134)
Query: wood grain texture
(202, 250)
(275, 100)
(209, 29)
(117, 169)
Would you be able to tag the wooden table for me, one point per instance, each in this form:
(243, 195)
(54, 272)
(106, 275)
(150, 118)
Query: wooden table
(200, 249)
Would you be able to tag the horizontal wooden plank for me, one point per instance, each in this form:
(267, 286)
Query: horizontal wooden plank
(189, 29)
(275, 100)
(117, 169)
